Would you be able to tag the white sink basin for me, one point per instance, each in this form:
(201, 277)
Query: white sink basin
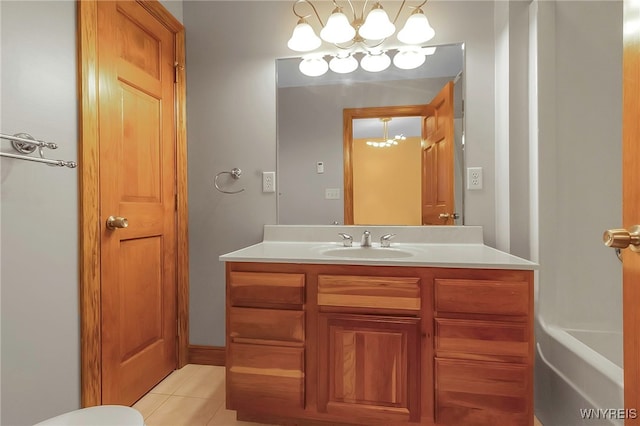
(368, 252)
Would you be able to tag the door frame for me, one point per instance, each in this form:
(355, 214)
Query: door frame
(89, 195)
(348, 115)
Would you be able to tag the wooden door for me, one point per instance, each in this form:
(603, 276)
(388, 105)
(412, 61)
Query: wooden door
(631, 206)
(438, 160)
(137, 182)
(369, 367)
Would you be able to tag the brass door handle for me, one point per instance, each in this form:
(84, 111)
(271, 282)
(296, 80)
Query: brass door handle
(115, 222)
(447, 215)
(621, 238)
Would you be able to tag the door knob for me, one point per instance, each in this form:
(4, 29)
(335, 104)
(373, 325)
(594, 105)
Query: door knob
(447, 215)
(621, 238)
(115, 222)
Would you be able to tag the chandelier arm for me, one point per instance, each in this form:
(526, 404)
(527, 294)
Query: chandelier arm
(353, 10)
(306, 16)
(351, 44)
(373, 46)
(400, 10)
(364, 7)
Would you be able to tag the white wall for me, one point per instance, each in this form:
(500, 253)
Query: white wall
(582, 287)
(39, 277)
(579, 87)
(40, 340)
(231, 123)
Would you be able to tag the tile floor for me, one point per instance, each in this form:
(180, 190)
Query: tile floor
(191, 396)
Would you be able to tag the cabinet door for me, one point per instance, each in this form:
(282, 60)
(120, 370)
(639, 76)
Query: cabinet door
(369, 367)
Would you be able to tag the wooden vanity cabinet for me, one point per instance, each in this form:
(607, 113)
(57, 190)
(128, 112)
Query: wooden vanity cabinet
(379, 345)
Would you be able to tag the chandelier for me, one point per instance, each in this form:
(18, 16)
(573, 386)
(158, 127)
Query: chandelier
(361, 36)
(386, 141)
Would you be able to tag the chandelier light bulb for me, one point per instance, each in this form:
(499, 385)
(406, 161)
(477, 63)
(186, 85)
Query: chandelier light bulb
(377, 25)
(417, 29)
(338, 28)
(343, 64)
(303, 39)
(375, 62)
(313, 67)
(408, 59)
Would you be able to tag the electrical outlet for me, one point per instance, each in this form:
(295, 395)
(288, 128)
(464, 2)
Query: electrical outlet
(474, 178)
(268, 181)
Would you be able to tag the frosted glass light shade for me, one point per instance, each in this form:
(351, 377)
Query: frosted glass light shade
(313, 67)
(338, 28)
(377, 25)
(408, 59)
(417, 29)
(343, 65)
(429, 50)
(303, 39)
(375, 62)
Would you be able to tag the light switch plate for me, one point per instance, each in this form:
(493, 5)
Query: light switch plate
(332, 193)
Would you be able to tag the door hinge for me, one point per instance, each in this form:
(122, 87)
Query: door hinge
(176, 69)
(175, 205)
(177, 328)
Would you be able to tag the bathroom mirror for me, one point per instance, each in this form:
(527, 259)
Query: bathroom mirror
(310, 129)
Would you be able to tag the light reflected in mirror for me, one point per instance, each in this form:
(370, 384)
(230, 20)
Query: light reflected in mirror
(312, 170)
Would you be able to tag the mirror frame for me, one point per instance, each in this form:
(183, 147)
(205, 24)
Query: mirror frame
(348, 115)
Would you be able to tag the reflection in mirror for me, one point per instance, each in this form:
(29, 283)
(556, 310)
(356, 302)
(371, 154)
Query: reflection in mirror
(412, 170)
(311, 130)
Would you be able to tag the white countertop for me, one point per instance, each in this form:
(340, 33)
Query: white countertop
(288, 244)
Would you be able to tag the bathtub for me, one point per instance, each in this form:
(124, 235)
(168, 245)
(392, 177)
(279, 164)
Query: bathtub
(577, 370)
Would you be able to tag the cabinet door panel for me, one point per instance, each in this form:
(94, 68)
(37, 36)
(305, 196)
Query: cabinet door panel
(264, 378)
(481, 393)
(370, 366)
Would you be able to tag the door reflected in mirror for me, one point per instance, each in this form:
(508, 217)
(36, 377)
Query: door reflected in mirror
(399, 163)
(312, 157)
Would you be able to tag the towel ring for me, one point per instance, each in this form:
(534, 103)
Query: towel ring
(235, 173)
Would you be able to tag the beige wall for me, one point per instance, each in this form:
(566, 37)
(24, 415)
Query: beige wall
(386, 183)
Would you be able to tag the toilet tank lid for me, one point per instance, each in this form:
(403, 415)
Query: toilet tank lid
(101, 415)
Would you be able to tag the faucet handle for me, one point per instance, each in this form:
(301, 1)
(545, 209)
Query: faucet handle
(385, 240)
(347, 240)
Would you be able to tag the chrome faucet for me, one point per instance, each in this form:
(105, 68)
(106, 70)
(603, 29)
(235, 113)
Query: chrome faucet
(385, 240)
(347, 240)
(366, 239)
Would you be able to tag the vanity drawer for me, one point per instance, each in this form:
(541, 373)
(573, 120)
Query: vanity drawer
(369, 292)
(482, 340)
(482, 393)
(266, 378)
(266, 326)
(482, 297)
(266, 288)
